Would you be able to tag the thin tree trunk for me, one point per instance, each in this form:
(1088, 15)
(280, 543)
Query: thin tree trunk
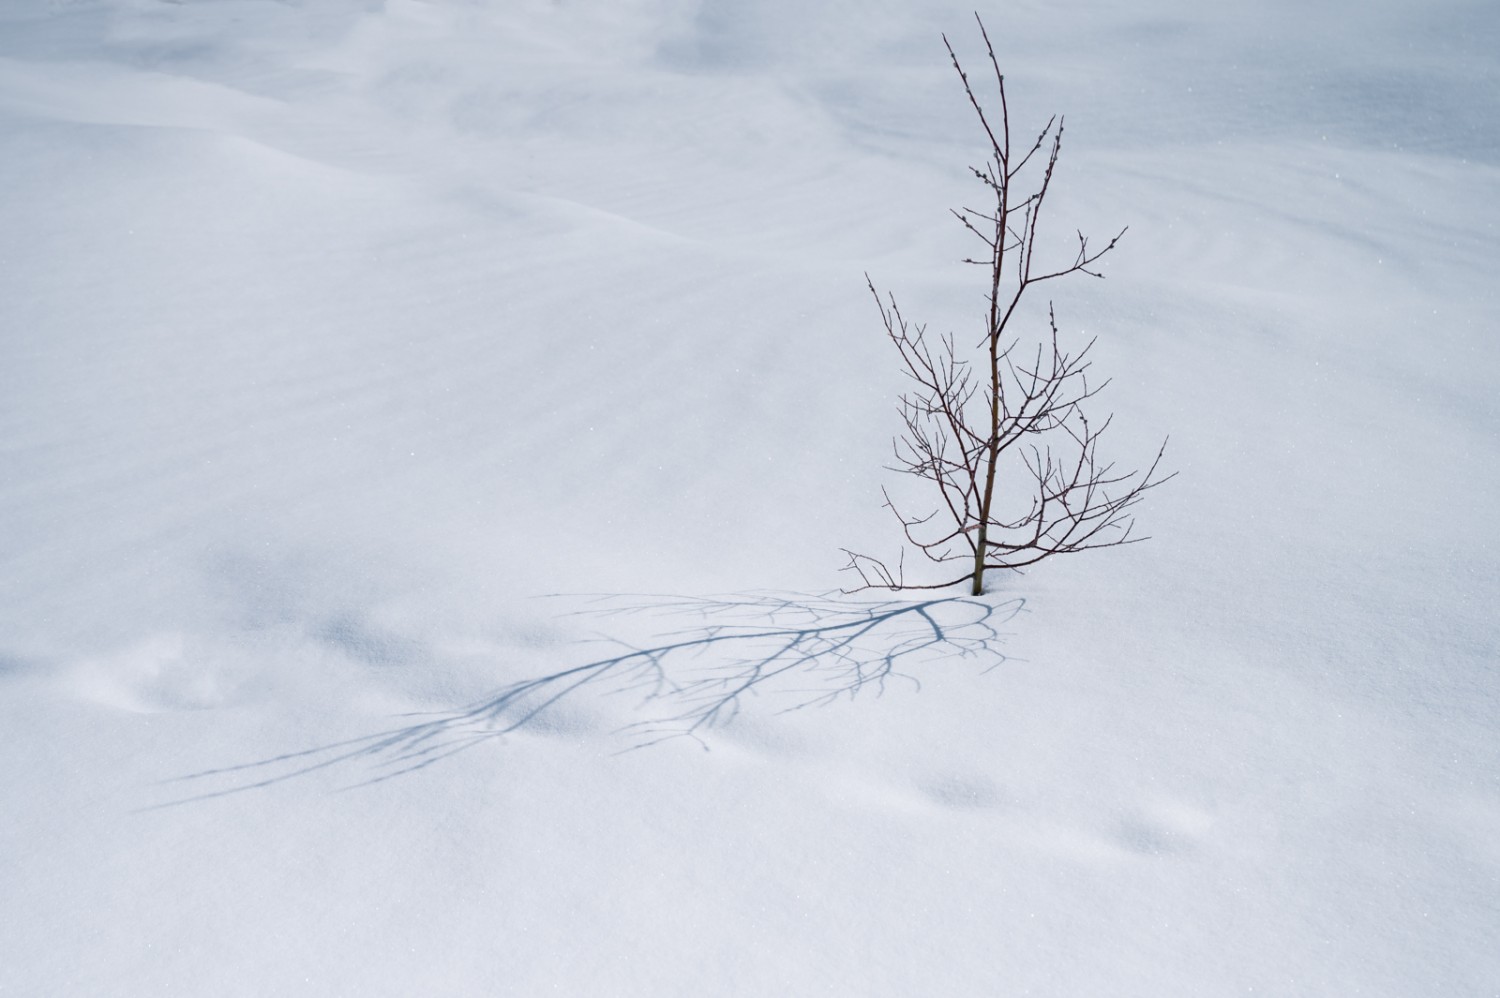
(997, 272)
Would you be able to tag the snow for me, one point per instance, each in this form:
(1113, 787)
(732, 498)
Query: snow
(363, 361)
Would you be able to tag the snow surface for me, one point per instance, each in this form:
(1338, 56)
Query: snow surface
(337, 335)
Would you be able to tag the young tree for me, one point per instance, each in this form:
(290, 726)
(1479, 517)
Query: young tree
(1021, 423)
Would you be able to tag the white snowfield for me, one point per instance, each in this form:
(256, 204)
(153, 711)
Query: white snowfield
(339, 337)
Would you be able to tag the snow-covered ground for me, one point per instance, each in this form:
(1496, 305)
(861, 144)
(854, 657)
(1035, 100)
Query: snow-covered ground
(339, 337)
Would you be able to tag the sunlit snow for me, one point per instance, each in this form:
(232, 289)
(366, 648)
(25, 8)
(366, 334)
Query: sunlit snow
(428, 431)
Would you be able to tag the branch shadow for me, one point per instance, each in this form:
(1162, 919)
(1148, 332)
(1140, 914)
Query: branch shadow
(807, 650)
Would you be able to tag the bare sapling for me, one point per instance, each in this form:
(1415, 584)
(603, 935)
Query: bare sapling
(1005, 438)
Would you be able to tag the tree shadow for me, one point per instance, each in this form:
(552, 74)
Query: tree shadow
(802, 650)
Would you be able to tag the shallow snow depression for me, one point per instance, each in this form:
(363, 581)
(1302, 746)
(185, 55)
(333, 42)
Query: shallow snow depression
(336, 337)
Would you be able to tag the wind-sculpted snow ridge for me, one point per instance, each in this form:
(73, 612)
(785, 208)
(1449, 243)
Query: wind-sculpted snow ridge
(803, 650)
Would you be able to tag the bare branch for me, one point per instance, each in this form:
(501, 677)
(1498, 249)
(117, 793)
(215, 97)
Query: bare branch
(1011, 451)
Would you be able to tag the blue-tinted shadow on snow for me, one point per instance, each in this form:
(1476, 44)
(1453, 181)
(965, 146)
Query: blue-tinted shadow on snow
(802, 650)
